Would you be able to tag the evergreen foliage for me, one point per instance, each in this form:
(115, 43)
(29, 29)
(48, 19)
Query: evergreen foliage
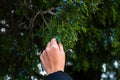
(90, 28)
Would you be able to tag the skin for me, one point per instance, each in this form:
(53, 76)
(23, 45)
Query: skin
(53, 57)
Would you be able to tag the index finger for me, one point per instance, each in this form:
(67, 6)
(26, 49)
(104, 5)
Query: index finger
(53, 42)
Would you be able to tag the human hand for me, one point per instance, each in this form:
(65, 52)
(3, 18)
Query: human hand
(53, 57)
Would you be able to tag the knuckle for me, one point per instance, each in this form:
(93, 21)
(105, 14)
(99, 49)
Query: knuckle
(41, 56)
(54, 47)
(47, 49)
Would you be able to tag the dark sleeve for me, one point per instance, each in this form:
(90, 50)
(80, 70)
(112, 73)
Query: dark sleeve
(58, 76)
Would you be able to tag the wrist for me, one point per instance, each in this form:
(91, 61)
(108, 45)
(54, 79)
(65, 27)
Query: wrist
(55, 70)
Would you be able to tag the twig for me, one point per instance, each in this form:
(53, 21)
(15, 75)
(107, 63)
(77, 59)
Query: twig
(33, 20)
(50, 11)
(21, 24)
(29, 7)
(26, 17)
(42, 14)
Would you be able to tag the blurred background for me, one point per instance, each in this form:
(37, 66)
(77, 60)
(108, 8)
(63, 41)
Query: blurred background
(88, 29)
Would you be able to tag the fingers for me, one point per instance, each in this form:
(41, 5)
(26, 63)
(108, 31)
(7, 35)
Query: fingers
(60, 46)
(44, 59)
(48, 45)
(42, 56)
(54, 43)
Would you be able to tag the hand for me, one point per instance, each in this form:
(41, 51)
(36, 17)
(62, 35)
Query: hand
(53, 57)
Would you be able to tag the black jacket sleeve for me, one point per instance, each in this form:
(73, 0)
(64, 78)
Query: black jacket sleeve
(58, 76)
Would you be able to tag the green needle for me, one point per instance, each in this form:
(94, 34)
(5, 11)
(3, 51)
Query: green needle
(58, 39)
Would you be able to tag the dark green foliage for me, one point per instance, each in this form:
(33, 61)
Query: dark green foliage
(91, 28)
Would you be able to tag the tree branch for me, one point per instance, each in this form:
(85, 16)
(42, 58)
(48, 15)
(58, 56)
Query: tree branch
(32, 20)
